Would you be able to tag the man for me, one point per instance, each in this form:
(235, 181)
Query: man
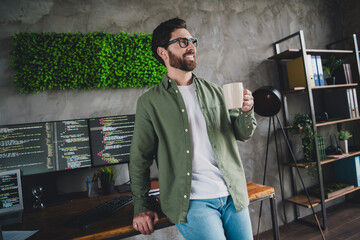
(184, 123)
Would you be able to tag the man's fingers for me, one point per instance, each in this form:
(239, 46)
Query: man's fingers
(156, 218)
(149, 225)
(135, 226)
(144, 222)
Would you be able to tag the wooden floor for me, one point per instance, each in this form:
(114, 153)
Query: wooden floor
(343, 224)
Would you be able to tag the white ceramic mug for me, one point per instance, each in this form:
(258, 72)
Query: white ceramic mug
(234, 94)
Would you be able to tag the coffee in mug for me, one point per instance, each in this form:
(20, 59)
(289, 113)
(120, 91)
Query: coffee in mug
(234, 94)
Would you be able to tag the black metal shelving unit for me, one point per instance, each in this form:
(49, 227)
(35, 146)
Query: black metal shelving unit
(299, 199)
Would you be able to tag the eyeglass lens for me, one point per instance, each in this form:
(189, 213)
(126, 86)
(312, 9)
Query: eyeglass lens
(184, 42)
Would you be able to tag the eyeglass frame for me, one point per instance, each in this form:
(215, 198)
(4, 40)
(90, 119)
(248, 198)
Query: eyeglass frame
(188, 40)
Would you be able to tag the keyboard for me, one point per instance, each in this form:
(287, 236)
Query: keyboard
(99, 213)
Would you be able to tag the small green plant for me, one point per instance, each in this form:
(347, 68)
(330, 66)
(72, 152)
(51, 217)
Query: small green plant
(344, 135)
(302, 125)
(332, 64)
(107, 175)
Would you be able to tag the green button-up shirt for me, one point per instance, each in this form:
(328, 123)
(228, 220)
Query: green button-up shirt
(160, 123)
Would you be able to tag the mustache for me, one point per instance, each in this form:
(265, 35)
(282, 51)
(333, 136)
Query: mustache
(189, 52)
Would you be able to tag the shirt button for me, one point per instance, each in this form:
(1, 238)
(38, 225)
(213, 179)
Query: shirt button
(185, 196)
(188, 174)
(182, 110)
(186, 130)
(176, 91)
(248, 126)
(169, 80)
(187, 151)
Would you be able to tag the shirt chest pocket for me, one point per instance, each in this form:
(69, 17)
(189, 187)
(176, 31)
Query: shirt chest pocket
(212, 116)
(218, 118)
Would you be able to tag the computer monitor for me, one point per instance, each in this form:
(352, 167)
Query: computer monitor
(12, 206)
(110, 139)
(45, 147)
(27, 147)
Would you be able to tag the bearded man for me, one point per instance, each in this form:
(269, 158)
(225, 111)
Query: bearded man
(184, 122)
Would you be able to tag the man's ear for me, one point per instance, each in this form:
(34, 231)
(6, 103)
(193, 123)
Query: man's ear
(162, 53)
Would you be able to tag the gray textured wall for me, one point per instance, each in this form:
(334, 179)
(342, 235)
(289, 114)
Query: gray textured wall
(235, 42)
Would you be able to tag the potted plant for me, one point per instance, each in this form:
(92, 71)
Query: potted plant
(343, 136)
(107, 179)
(301, 125)
(329, 68)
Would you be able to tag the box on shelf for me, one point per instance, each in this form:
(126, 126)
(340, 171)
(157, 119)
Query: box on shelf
(348, 170)
(296, 73)
(330, 190)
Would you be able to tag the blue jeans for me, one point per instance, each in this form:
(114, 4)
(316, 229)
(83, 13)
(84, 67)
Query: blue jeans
(216, 219)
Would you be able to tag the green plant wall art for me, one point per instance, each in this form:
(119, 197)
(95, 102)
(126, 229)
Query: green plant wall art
(44, 61)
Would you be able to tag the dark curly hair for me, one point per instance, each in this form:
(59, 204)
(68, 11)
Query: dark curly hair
(161, 35)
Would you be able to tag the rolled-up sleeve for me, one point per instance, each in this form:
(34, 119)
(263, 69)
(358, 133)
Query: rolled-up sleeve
(244, 123)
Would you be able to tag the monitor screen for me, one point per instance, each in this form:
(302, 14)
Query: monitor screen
(27, 147)
(45, 147)
(110, 139)
(11, 197)
(71, 144)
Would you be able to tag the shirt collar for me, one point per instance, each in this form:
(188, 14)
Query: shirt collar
(166, 81)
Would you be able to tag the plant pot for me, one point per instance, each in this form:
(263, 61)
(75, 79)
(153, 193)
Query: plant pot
(344, 146)
(330, 81)
(107, 188)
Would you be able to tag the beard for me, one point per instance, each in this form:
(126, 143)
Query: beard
(182, 63)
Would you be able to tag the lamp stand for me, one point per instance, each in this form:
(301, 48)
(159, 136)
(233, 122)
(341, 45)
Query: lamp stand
(271, 119)
(301, 179)
(280, 178)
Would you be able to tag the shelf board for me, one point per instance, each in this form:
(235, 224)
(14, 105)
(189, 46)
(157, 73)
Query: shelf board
(294, 53)
(302, 200)
(302, 89)
(330, 122)
(333, 158)
(335, 122)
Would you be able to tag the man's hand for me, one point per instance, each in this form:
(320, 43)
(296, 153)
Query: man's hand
(248, 101)
(144, 222)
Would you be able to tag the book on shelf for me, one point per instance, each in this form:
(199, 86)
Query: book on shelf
(315, 71)
(348, 76)
(351, 102)
(296, 72)
(355, 102)
(320, 71)
(321, 146)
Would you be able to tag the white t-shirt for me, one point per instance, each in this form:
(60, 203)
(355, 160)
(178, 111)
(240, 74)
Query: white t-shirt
(207, 181)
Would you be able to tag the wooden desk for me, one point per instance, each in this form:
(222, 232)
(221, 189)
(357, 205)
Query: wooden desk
(50, 221)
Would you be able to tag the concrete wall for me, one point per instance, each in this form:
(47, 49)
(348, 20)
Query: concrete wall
(235, 42)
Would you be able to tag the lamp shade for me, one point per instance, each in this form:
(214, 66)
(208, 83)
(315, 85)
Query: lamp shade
(267, 101)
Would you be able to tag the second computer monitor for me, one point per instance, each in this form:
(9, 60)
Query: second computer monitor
(110, 139)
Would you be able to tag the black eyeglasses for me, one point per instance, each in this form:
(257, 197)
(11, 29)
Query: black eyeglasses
(184, 42)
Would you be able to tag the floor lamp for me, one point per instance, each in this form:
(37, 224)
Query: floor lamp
(267, 103)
